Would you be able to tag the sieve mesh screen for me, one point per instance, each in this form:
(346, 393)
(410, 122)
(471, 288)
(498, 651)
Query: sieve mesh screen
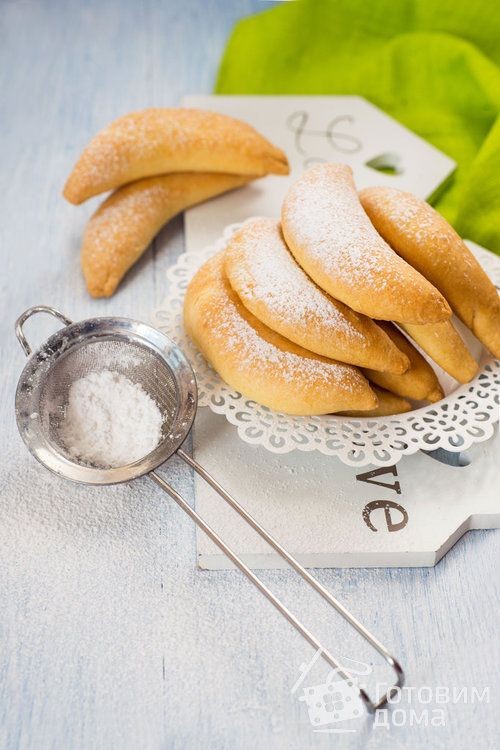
(139, 364)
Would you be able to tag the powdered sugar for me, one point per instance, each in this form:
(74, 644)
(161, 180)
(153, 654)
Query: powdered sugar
(265, 272)
(258, 347)
(405, 209)
(322, 213)
(420, 224)
(109, 420)
(130, 209)
(157, 140)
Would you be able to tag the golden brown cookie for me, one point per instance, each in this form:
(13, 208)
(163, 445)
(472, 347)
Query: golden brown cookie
(259, 363)
(334, 241)
(443, 343)
(124, 225)
(425, 239)
(419, 382)
(276, 290)
(388, 404)
(159, 141)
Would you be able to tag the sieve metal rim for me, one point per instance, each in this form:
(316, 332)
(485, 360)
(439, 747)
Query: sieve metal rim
(75, 335)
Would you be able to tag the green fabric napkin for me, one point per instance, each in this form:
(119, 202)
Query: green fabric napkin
(434, 66)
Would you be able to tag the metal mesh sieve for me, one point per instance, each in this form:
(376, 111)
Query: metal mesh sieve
(140, 353)
(139, 364)
(147, 357)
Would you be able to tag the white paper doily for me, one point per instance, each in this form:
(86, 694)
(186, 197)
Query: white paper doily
(466, 416)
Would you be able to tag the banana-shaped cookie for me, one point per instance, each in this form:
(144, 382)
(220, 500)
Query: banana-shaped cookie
(124, 225)
(419, 382)
(260, 363)
(160, 141)
(388, 404)
(425, 239)
(333, 239)
(276, 290)
(443, 343)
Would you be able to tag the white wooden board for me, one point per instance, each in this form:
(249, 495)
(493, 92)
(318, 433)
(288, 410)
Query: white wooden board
(332, 515)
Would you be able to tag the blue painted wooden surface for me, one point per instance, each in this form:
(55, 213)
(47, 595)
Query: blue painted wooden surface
(110, 636)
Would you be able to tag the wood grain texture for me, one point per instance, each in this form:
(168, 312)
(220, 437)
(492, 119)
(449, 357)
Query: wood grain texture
(110, 636)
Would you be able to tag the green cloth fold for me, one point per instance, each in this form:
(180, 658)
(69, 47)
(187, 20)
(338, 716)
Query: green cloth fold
(434, 66)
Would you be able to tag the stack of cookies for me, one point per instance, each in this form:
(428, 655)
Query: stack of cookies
(158, 162)
(317, 313)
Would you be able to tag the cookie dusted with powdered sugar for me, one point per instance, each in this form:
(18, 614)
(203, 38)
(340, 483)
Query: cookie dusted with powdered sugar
(258, 362)
(334, 241)
(276, 290)
(159, 141)
(123, 226)
(425, 239)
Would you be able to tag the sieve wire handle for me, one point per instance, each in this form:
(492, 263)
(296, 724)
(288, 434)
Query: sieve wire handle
(33, 311)
(316, 585)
